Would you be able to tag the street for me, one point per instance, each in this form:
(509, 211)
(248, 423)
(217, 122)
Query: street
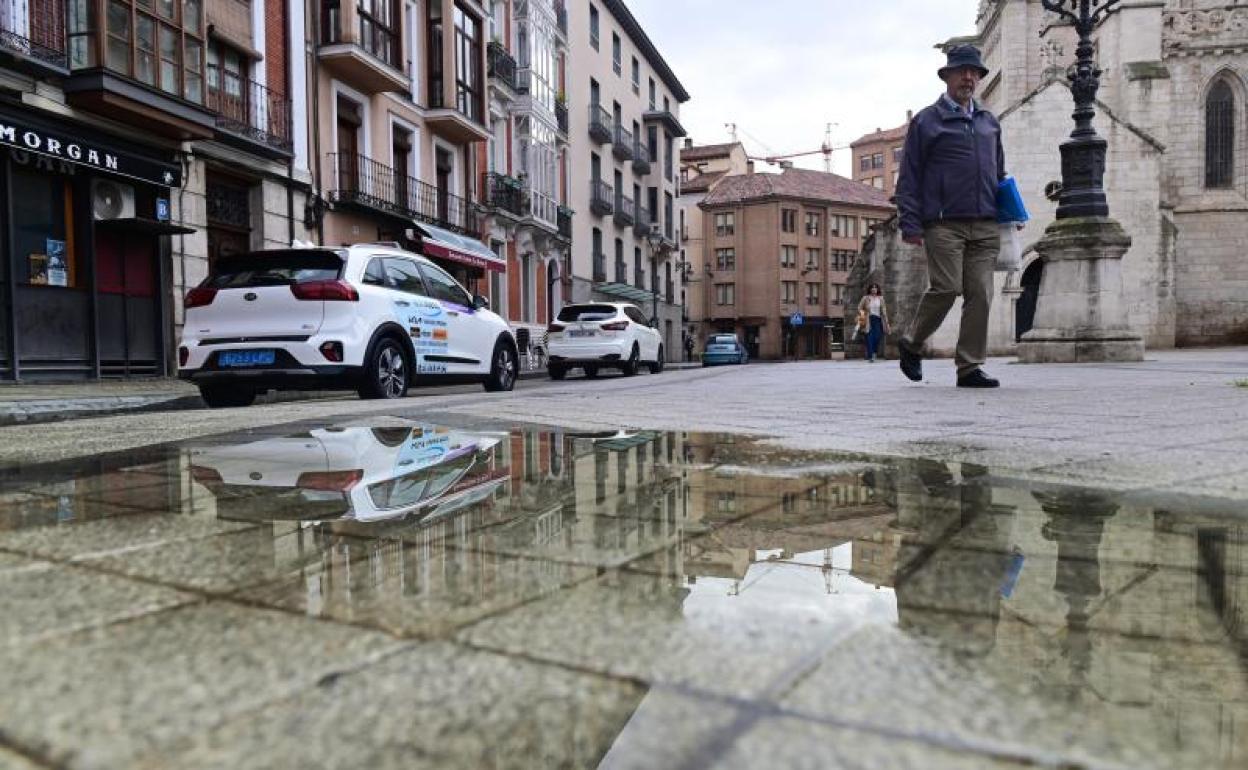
(705, 568)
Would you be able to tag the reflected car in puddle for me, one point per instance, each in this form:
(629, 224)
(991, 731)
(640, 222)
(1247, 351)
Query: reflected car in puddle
(355, 473)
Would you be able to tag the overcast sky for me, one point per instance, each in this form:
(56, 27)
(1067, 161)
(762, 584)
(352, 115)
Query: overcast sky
(783, 69)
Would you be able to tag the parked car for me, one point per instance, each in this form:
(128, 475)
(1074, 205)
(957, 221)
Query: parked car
(370, 317)
(724, 349)
(602, 334)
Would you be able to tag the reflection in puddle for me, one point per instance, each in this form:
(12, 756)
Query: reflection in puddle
(1110, 630)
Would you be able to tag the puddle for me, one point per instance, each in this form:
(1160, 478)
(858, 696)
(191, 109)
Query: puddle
(905, 605)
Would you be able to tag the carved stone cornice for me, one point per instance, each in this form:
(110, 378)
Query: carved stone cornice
(1205, 29)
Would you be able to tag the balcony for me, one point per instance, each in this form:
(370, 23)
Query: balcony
(565, 222)
(504, 193)
(622, 143)
(34, 36)
(501, 66)
(360, 50)
(642, 226)
(624, 211)
(249, 112)
(600, 268)
(363, 182)
(599, 124)
(621, 272)
(641, 159)
(601, 198)
(561, 116)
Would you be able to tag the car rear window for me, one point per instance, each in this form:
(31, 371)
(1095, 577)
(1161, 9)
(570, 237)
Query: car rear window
(274, 268)
(586, 313)
(723, 340)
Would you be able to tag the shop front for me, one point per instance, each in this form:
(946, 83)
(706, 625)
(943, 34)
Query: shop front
(84, 283)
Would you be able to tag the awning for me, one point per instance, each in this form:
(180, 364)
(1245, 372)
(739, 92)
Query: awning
(444, 244)
(624, 291)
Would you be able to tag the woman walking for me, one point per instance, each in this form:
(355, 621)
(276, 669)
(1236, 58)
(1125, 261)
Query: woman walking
(876, 313)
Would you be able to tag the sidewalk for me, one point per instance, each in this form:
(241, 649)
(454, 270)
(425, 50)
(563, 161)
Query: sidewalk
(33, 403)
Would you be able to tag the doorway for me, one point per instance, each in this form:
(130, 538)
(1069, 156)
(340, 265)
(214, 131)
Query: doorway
(129, 303)
(1025, 308)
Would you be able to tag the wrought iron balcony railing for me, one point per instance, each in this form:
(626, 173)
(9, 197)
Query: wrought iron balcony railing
(561, 116)
(565, 222)
(622, 143)
(248, 109)
(34, 31)
(365, 182)
(600, 268)
(642, 225)
(641, 158)
(502, 65)
(601, 197)
(504, 193)
(624, 210)
(599, 124)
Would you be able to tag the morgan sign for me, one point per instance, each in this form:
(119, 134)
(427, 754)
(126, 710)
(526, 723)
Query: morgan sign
(22, 135)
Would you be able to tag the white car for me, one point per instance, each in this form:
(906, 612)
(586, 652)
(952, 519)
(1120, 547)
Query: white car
(594, 335)
(370, 317)
(351, 474)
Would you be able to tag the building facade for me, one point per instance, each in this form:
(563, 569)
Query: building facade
(779, 249)
(624, 122)
(877, 157)
(136, 141)
(701, 168)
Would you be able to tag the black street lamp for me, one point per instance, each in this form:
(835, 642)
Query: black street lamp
(1083, 157)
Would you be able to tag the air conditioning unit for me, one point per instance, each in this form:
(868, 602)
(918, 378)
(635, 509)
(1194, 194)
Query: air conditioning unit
(112, 200)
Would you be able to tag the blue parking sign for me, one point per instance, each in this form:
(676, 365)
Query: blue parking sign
(162, 209)
(797, 319)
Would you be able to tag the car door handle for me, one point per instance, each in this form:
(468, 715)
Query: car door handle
(401, 303)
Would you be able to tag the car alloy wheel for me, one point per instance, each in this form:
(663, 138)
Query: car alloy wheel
(503, 370)
(634, 360)
(391, 372)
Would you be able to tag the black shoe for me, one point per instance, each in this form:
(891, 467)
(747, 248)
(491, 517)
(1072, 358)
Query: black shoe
(977, 379)
(911, 362)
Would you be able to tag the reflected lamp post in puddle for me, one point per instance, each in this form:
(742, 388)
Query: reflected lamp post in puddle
(1080, 314)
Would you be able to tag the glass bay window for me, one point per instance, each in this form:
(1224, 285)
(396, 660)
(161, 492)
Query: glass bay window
(159, 43)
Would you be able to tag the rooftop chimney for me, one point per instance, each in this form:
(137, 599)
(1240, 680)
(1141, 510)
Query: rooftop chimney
(909, 115)
(688, 143)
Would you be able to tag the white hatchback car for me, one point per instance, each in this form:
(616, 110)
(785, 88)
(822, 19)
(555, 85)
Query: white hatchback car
(370, 316)
(602, 334)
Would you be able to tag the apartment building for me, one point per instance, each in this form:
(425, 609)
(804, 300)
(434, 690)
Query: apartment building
(877, 157)
(624, 122)
(140, 141)
(781, 247)
(701, 168)
(525, 164)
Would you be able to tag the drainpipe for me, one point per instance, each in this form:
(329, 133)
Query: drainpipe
(316, 112)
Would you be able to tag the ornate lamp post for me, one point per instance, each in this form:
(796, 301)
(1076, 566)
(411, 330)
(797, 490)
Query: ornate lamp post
(1080, 313)
(1083, 157)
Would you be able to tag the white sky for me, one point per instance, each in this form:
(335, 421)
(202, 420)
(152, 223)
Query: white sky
(783, 69)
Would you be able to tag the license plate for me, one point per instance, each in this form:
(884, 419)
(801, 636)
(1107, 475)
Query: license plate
(239, 358)
(581, 333)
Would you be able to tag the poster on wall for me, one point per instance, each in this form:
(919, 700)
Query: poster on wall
(58, 268)
(37, 269)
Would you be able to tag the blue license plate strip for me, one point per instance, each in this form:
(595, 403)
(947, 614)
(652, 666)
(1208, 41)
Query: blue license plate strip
(245, 358)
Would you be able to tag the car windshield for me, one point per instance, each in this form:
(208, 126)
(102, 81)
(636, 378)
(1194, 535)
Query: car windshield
(724, 340)
(587, 313)
(274, 268)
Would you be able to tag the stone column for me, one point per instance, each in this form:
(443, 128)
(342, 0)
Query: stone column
(1080, 315)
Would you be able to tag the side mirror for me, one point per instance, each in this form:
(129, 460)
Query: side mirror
(480, 303)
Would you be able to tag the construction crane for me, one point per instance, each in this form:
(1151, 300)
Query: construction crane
(825, 150)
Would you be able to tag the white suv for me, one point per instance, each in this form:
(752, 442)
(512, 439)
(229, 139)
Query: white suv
(371, 317)
(602, 334)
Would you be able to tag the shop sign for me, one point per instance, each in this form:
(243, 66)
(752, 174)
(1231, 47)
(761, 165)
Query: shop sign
(29, 138)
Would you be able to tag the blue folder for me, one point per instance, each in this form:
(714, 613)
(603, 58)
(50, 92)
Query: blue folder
(1010, 207)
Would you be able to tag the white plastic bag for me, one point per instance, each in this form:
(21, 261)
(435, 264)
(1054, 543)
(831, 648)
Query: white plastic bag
(1010, 257)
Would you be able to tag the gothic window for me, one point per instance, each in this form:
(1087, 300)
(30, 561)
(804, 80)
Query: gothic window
(1219, 136)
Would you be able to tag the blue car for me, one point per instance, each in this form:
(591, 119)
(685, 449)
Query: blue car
(724, 349)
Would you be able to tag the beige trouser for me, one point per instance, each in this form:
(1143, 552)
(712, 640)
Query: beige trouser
(960, 260)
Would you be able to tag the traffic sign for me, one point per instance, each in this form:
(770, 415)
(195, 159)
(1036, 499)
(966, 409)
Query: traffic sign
(797, 319)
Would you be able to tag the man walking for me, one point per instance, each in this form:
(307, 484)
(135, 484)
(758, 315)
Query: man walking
(947, 198)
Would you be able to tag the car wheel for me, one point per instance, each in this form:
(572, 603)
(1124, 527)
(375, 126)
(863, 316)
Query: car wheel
(634, 360)
(226, 396)
(657, 365)
(591, 372)
(386, 372)
(504, 367)
(557, 371)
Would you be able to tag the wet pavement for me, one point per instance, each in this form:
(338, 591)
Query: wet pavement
(388, 592)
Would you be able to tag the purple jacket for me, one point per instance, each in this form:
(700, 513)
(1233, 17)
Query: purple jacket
(950, 167)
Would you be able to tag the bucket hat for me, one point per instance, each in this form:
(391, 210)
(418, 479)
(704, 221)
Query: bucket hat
(963, 56)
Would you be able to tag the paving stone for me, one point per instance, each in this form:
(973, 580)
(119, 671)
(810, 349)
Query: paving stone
(440, 705)
(101, 697)
(42, 600)
(113, 535)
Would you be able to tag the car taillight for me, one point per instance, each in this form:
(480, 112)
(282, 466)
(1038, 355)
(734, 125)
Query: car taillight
(328, 291)
(555, 328)
(199, 297)
(615, 326)
(329, 481)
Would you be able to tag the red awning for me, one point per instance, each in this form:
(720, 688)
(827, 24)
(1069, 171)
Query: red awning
(444, 244)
